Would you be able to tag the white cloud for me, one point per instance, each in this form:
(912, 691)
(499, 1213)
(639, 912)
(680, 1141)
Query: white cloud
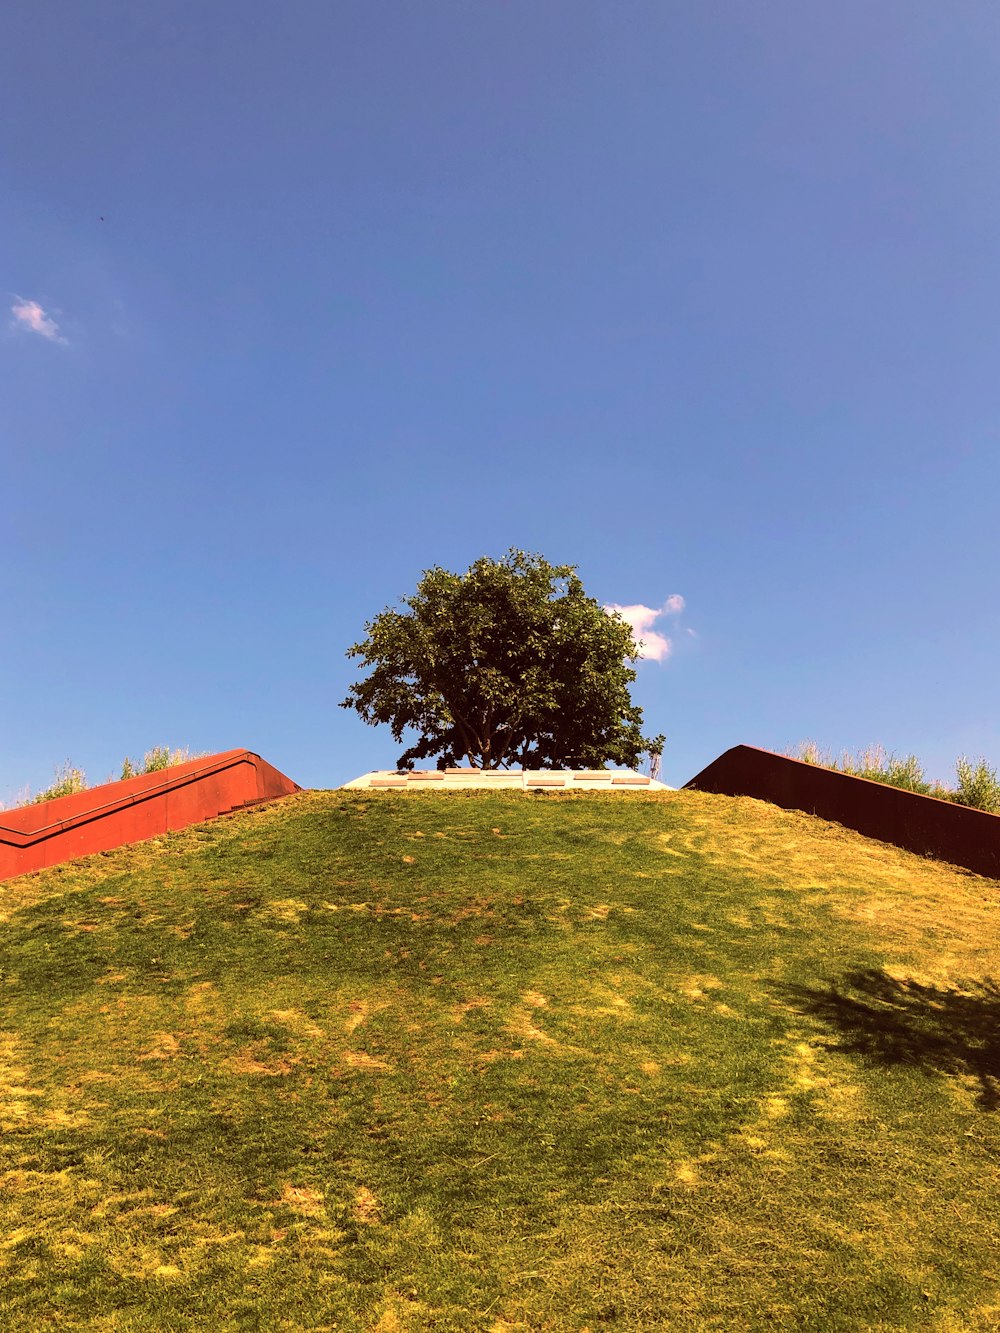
(30, 315)
(653, 646)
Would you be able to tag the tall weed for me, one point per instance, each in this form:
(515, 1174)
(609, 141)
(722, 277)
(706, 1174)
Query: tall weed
(977, 786)
(874, 763)
(69, 781)
(160, 757)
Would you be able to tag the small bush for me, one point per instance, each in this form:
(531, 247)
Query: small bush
(903, 771)
(160, 757)
(69, 781)
(977, 785)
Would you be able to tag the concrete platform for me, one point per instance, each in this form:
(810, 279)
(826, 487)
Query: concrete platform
(508, 779)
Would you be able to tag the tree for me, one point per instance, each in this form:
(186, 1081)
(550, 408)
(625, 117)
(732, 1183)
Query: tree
(510, 662)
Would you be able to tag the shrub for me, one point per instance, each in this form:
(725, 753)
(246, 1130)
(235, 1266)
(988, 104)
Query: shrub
(895, 771)
(977, 785)
(160, 757)
(69, 781)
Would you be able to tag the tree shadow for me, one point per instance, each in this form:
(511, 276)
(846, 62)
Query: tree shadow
(945, 1029)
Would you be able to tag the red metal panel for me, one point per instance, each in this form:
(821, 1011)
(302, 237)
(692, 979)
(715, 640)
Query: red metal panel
(923, 824)
(116, 813)
(270, 783)
(185, 804)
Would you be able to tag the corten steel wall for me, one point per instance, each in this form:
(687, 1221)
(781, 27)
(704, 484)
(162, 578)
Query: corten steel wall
(923, 824)
(119, 812)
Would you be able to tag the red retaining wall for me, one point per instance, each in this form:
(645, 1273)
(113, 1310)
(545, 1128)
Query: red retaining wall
(923, 824)
(104, 817)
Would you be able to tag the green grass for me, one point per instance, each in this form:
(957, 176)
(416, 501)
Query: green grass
(398, 1061)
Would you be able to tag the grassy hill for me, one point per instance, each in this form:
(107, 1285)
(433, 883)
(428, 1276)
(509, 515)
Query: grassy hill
(494, 1062)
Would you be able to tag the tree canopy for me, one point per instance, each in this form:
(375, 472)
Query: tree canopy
(508, 663)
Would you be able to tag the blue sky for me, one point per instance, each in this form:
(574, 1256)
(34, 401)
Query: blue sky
(701, 298)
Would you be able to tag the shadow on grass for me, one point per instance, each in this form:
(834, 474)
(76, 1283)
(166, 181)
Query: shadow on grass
(950, 1030)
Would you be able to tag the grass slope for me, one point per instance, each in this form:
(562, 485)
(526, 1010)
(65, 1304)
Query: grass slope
(493, 1062)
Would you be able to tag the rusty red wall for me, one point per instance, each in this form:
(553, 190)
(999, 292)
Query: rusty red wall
(104, 817)
(923, 824)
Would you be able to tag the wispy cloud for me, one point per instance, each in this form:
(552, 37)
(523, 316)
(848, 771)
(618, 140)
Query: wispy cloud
(29, 315)
(653, 646)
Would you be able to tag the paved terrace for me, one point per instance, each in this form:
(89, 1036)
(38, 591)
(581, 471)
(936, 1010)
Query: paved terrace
(516, 779)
